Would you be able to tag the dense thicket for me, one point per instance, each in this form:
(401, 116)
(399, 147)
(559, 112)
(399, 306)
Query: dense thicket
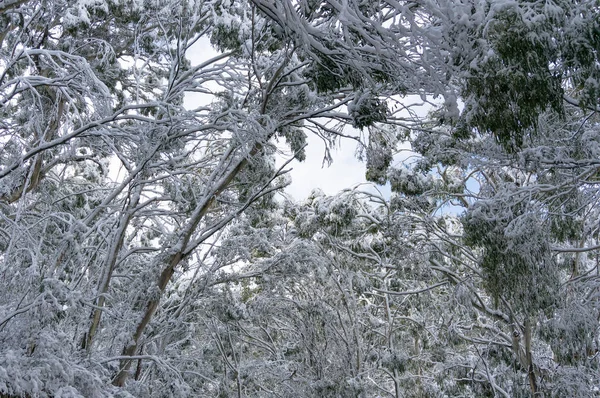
(144, 251)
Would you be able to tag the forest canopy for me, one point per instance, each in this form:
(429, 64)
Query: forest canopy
(146, 249)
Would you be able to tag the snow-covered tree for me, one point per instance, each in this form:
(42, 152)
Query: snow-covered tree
(143, 251)
(113, 194)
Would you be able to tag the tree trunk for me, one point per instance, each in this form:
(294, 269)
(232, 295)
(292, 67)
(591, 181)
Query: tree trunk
(109, 268)
(530, 368)
(167, 272)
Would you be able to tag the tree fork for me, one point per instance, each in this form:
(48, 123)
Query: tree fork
(168, 272)
(88, 338)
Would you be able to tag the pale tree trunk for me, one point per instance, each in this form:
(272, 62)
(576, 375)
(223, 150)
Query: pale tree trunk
(111, 260)
(231, 163)
(524, 354)
(529, 360)
(175, 259)
(390, 339)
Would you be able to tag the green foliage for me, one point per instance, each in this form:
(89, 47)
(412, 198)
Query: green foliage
(528, 56)
(366, 110)
(295, 137)
(516, 259)
(226, 38)
(516, 82)
(409, 182)
(328, 76)
(580, 53)
(571, 334)
(379, 155)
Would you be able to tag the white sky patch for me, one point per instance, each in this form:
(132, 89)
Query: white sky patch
(345, 172)
(200, 52)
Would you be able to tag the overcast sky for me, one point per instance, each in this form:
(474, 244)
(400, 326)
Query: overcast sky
(345, 171)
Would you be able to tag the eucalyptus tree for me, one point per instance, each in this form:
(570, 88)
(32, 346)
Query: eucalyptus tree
(521, 158)
(338, 296)
(113, 194)
(115, 199)
(354, 295)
